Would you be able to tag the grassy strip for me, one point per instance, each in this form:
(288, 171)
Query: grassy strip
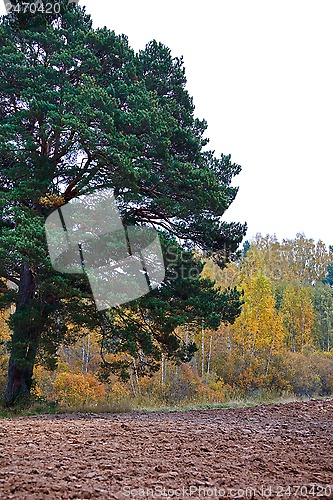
(39, 408)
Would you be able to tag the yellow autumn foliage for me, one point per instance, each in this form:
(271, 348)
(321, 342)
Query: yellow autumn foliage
(52, 200)
(78, 389)
(259, 329)
(298, 316)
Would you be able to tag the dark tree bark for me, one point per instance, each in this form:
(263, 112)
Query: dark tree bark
(25, 338)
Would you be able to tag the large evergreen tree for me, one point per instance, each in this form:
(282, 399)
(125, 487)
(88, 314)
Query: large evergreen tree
(81, 111)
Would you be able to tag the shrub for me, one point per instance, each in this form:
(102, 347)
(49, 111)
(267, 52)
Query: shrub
(74, 390)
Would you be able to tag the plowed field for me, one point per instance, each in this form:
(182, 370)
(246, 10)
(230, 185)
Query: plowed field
(268, 451)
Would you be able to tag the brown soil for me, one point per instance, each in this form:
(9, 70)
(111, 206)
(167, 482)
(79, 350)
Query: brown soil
(266, 451)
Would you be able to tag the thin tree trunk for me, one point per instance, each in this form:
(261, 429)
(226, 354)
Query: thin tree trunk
(87, 353)
(194, 361)
(202, 351)
(24, 342)
(132, 385)
(136, 376)
(83, 358)
(209, 359)
(163, 369)
(228, 341)
(328, 333)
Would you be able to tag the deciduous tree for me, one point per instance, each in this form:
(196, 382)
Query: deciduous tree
(298, 316)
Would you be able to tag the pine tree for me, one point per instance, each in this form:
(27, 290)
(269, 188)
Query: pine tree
(81, 111)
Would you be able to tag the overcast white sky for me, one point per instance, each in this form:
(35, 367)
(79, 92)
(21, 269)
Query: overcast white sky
(260, 73)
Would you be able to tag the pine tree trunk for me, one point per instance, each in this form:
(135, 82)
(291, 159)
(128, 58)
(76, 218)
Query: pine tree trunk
(24, 342)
